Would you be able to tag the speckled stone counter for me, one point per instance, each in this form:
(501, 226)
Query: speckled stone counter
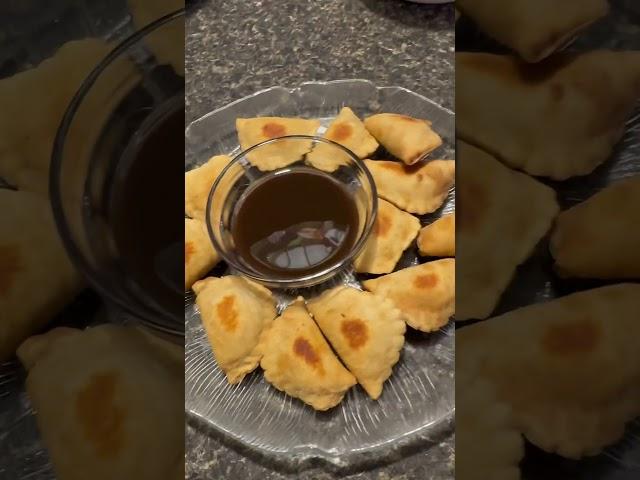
(237, 47)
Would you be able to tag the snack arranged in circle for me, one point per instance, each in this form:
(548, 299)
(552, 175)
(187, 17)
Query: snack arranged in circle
(317, 348)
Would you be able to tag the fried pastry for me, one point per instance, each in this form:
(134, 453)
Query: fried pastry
(392, 233)
(494, 202)
(419, 189)
(198, 183)
(425, 294)
(235, 312)
(438, 239)
(252, 131)
(298, 360)
(347, 130)
(534, 29)
(488, 444)
(106, 400)
(36, 277)
(543, 359)
(366, 331)
(199, 254)
(407, 138)
(559, 118)
(599, 238)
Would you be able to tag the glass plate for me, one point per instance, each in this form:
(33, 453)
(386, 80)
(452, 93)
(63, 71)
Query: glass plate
(418, 400)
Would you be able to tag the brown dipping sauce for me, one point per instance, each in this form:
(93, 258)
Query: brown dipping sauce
(293, 223)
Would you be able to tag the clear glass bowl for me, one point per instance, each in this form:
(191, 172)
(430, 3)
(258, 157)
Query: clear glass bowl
(240, 176)
(137, 84)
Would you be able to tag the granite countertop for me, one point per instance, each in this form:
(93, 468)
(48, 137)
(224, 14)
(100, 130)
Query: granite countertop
(235, 48)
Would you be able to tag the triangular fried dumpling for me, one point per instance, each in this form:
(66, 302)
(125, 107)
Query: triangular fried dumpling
(198, 183)
(600, 238)
(494, 202)
(438, 239)
(425, 294)
(37, 278)
(35, 100)
(235, 312)
(106, 400)
(347, 130)
(366, 331)
(298, 360)
(252, 131)
(534, 29)
(488, 444)
(199, 254)
(420, 188)
(543, 361)
(392, 233)
(407, 138)
(559, 118)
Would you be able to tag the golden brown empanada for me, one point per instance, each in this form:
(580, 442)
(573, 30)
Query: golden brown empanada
(366, 331)
(252, 131)
(417, 188)
(298, 360)
(425, 294)
(199, 254)
(235, 312)
(494, 202)
(600, 238)
(488, 444)
(534, 29)
(392, 233)
(198, 183)
(438, 239)
(107, 400)
(409, 139)
(35, 100)
(544, 360)
(559, 118)
(36, 277)
(347, 130)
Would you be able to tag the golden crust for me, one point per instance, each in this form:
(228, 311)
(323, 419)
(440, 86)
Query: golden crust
(198, 183)
(298, 360)
(392, 233)
(252, 131)
(407, 138)
(420, 188)
(599, 238)
(438, 239)
(234, 312)
(425, 294)
(199, 254)
(366, 331)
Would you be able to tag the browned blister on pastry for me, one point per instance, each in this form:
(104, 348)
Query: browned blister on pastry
(392, 233)
(534, 29)
(298, 360)
(560, 118)
(407, 138)
(599, 238)
(199, 254)
(419, 189)
(235, 312)
(425, 294)
(252, 131)
(569, 368)
(438, 239)
(367, 333)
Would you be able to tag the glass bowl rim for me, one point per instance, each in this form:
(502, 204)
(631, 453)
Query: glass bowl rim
(334, 267)
(55, 194)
